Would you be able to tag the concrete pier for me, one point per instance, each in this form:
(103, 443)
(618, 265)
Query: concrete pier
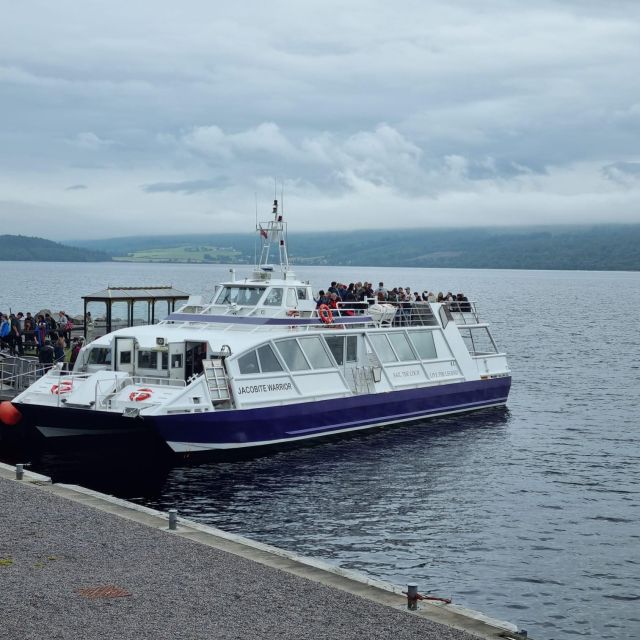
(78, 564)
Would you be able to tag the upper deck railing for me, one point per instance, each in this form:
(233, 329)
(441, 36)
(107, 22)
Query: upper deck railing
(372, 312)
(465, 312)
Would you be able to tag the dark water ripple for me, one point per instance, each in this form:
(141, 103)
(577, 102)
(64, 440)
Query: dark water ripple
(531, 514)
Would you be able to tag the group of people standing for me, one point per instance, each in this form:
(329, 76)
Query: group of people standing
(49, 336)
(362, 292)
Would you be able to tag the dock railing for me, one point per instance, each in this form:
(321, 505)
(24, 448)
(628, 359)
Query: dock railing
(18, 373)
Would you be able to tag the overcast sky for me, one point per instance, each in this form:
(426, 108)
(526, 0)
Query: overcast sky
(165, 117)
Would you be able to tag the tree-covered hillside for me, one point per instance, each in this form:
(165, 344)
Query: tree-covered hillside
(601, 247)
(33, 249)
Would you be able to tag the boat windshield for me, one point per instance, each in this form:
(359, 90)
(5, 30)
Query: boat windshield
(240, 295)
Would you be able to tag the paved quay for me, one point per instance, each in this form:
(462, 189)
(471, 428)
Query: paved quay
(77, 564)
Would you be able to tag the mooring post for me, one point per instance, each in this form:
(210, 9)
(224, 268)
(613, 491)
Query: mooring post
(173, 519)
(412, 596)
(19, 471)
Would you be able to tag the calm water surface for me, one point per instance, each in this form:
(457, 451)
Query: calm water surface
(531, 514)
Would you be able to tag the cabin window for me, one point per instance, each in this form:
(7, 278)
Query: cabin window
(383, 348)
(424, 344)
(248, 363)
(292, 301)
(99, 355)
(302, 293)
(478, 341)
(165, 360)
(125, 357)
(401, 346)
(176, 361)
(336, 346)
(268, 360)
(274, 298)
(240, 295)
(147, 359)
(292, 354)
(352, 348)
(315, 352)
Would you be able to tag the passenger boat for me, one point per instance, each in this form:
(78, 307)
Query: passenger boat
(260, 365)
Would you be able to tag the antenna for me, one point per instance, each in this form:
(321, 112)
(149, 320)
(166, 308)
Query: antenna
(255, 240)
(273, 233)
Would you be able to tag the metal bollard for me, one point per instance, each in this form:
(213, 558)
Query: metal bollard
(19, 471)
(173, 519)
(412, 596)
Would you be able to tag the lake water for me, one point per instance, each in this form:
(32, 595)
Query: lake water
(530, 514)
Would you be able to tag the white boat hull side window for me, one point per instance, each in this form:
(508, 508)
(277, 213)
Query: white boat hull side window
(292, 355)
(316, 353)
(424, 344)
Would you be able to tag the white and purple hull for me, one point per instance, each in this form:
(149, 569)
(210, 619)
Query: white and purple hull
(267, 426)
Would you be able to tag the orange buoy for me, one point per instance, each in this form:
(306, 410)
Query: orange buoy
(325, 314)
(9, 414)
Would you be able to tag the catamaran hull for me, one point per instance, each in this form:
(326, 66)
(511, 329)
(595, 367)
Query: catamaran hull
(66, 422)
(269, 426)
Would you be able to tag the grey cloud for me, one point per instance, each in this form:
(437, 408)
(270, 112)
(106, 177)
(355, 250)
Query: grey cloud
(387, 103)
(622, 172)
(76, 187)
(630, 168)
(187, 186)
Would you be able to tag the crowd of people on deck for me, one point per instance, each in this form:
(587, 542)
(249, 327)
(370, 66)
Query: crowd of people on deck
(359, 294)
(49, 337)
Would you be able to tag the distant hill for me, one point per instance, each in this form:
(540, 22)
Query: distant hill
(600, 247)
(24, 248)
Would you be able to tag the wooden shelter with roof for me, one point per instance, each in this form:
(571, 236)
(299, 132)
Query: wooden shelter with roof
(160, 301)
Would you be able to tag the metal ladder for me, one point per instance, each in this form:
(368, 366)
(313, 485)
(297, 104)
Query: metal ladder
(216, 379)
(363, 380)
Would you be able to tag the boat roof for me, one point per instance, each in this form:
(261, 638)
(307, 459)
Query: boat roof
(161, 292)
(146, 336)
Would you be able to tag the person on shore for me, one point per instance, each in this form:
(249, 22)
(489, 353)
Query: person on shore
(58, 349)
(16, 336)
(78, 343)
(46, 355)
(41, 331)
(5, 330)
(64, 327)
(52, 325)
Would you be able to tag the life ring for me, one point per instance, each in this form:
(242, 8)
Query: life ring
(139, 395)
(325, 314)
(66, 386)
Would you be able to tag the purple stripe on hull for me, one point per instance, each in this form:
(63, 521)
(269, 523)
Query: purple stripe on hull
(309, 419)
